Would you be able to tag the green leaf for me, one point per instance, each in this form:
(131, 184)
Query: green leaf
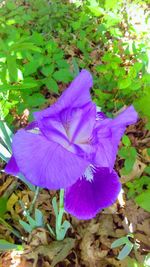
(62, 63)
(143, 200)
(51, 84)
(30, 67)
(129, 162)
(126, 141)
(48, 69)
(123, 152)
(63, 230)
(21, 86)
(34, 100)
(55, 206)
(111, 4)
(4, 153)
(12, 68)
(62, 75)
(119, 242)
(5, 245)
(125, 251)
(31, 221)
(6, 135)
(142, 104)
(122, 84)
(24, 46)
(39, 218)
(27, 227)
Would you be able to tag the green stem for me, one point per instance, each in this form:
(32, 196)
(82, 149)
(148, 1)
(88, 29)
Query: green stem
(60, 215)
(34, 199)
(61, 208)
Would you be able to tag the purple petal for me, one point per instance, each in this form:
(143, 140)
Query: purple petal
(32, 125)
(72, 128)
(76, 95)
(100, 115)
(12, 167)
(108, 134)
(45, 163)
(126, 117)
(85, 198)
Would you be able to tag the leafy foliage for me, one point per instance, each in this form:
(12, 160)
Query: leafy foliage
(129, 154)
(31, 60)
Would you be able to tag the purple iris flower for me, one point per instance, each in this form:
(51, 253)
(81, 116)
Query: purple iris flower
(72, 146)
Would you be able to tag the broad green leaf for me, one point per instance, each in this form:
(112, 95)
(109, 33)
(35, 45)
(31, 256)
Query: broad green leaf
(10, 5)
(30, 67)
(143, 200)
(143, 104)
(48, 69)
(63, 230)
(62, 63)
(39, 218)
(5, 245)
(51, 84)
(6, 134)
(122, 84)
(129, 162)
(111, 4)
(126, 141)
(62, 75)
(31, 221)
(123, 152)
(19, 86)
(35, 100)
(4, 153)
(12, 68)
(125, 251)
(24, 46)
(119, 242)
(27, 227)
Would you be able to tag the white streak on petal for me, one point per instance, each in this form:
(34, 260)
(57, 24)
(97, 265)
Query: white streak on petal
(89, 173)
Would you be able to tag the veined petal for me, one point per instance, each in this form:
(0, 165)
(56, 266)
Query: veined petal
(86, 197)
(71, 128)
(76, 95)
(12, 167)
(45, 163)
(108, 134)
(126, 117)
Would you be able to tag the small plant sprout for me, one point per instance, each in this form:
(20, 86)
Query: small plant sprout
(127, 246)
(38, 220)
(60, 227)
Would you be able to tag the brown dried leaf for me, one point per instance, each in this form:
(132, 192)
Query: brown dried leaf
(56, 251)
(136, 172)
